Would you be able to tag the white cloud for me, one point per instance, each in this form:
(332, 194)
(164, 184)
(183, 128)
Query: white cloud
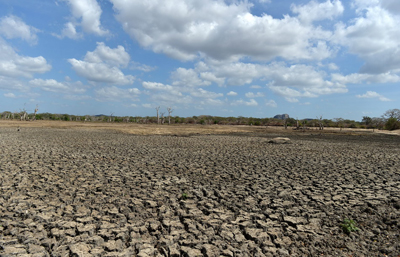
(115, 94)
(391, 5)
(223, 30)
(147, 105)
(290, 94)
(205, 94)
(69, 31)
(381, 30)
(252, 95)
(315, 11)
(88, 13)
(9, 83)
(115, 57)
(357, 78)
(10, 95)
(271, 103)
(255, 87)
(52, 85)
(103, 65)
(142, 67)
(231, 93)
(251, 102)
(188, 78)
(333, 66)
(372, 94)
(157, 86)
(15, 65)
(13, 27)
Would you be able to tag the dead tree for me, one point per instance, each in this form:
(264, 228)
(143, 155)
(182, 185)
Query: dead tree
(111, 117)
(162, 117)
(23, 114)
(158, 117)
(170, 110)
(34, 115)
(320, 123)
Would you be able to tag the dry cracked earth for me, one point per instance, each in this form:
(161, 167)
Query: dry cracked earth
(75, 192)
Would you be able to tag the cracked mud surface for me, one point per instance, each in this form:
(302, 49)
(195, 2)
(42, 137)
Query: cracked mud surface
(102, 193)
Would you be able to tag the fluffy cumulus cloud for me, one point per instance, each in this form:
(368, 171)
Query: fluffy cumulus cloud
(85, 14)
(301, 81)
(315, 11)
(252, 95)
(251, 102)
(116, 94)
(103, 65)
(165, 94)
(51, 85)
(222, 30)
(358, 78)
(372, 94)
(13, 27)
(188, 78)
(232, 93)
(290, 82)
(206, 94)
(15, 65)
(10, 95)
(380, 28)
(271, 103)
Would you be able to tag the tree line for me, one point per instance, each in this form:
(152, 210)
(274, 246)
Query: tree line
(390, 120)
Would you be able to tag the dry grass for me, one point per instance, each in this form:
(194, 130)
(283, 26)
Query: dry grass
(180, 129)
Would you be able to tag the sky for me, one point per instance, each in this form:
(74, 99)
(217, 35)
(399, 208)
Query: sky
(254, 58)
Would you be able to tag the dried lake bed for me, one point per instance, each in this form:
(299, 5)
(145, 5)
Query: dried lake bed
(97, 192)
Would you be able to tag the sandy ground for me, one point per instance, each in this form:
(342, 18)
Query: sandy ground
(154, 129)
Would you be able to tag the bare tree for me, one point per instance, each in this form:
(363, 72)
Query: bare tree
(23, 114)
(111, 117)
(158, 117)
(392, 113)
(339, 122)
(170, 110)
(377, 123)
(34, 115)
(162, 117)
(320, 123)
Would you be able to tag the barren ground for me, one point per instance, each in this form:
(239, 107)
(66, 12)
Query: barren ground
(84, 189)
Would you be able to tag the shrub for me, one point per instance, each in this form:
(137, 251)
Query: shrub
(349, 226)
(392, 124)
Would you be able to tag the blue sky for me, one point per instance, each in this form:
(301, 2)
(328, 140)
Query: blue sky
(226, 58)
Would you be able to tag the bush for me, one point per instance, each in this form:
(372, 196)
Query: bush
(392, 124)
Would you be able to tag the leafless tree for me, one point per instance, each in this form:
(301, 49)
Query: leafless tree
(158, 117)
(285, 123)
(170, 110)
(23, 114)
(34, 115)
(339, 122)
(392, 113)
(320, 123)
(377, 123)
(111, 117)
(162, 117)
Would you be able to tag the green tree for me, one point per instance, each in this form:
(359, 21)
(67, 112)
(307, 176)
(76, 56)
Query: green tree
(392, 124)
(367, 120)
